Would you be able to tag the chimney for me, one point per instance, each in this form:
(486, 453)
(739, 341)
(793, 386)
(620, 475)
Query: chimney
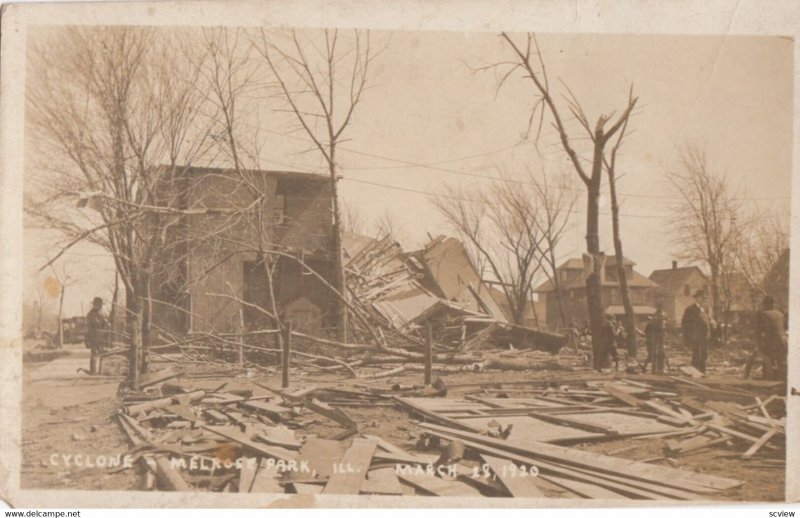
(674, 265)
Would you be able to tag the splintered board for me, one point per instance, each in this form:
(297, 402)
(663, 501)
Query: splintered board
(526, 426)
(481, 415)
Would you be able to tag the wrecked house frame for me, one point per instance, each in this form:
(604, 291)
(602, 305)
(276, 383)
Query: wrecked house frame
(228, 272)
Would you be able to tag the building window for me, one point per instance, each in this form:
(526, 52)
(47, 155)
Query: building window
(564, 275)
(687, 290)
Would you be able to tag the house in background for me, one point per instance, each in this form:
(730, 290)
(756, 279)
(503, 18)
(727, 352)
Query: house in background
(213, 261)
(676, 289)
(572, 284)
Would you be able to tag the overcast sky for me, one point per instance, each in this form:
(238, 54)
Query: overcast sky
(430, 120)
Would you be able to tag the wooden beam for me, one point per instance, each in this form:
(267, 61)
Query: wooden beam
(235, 435)
(433, 416)
(623, 396)
(759, 444)
(350, 473)
(517, 483)
(668, 476)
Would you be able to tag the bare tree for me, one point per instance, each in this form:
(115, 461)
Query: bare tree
(556, 202)
(352, 220)
(115, 111)
(764, 246)
(64, 280)
(322, 82)
(706, 228)
(622, 276)
(510, 228)
(527, 60)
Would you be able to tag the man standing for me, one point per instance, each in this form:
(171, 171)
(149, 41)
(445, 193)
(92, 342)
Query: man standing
(695, 325)
(770, 339)
(605, 346)
(95, 333)
(654, 337)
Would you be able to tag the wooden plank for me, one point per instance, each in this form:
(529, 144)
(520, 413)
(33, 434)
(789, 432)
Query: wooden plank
(669, 476)
(438, 486)
(235, 435)
(663, 409)
(433, 416)
(628, 487)
(763, 408)
(170, 479)
(623, 396)
(247, 474)
(151, 378)
(397, 452)
(320, 455)
(730, 431)
(583, 489)
(280, 436)
(573, 423)
(161, 403)
(759, 444)
(511, 477)
(267, 479)
(382, 481)
(348, 475)
(691, 371)
(271, 410)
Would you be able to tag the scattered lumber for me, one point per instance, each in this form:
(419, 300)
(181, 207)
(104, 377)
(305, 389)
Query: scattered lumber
(350, 474)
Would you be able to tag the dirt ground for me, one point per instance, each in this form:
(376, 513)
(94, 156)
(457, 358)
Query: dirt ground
(66, 413)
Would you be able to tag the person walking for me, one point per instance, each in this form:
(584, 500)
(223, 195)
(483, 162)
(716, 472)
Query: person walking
(696, 330)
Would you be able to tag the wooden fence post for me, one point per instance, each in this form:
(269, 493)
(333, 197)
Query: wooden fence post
(287, 351)
(428, 354)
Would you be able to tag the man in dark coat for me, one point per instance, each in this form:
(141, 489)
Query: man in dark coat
(654, 338)
(606, 346)
(696, 330)
(95, 332)
(770, 339)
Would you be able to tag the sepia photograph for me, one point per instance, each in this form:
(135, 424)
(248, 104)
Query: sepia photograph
(498, 265)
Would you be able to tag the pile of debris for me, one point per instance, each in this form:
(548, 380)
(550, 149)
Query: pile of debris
(485, 443)
(438, 286)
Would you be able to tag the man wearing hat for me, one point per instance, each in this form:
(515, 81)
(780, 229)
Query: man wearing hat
(696, 330)
(95, 332)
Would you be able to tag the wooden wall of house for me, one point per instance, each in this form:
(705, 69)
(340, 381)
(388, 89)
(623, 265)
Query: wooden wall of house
(295, 216)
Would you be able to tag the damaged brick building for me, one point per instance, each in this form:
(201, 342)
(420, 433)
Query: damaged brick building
(215, 273)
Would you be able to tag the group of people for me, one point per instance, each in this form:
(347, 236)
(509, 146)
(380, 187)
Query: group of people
(613, 335)
(697, 329)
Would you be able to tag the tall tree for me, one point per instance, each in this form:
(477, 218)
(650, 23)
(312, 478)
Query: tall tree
(528, 61)
(114, 111)
(622, 275)
(322, 82)
(556, 202)
(510, 228)
(764, 248)
(707, 224)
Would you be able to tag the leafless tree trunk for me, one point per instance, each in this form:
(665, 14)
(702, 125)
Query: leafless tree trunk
(630, 316)
(765, 241)
(511, 227)
(706, 229)
(116, 110)
(528, 60)
(324, 92)
(557, 203)
(63, 280)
